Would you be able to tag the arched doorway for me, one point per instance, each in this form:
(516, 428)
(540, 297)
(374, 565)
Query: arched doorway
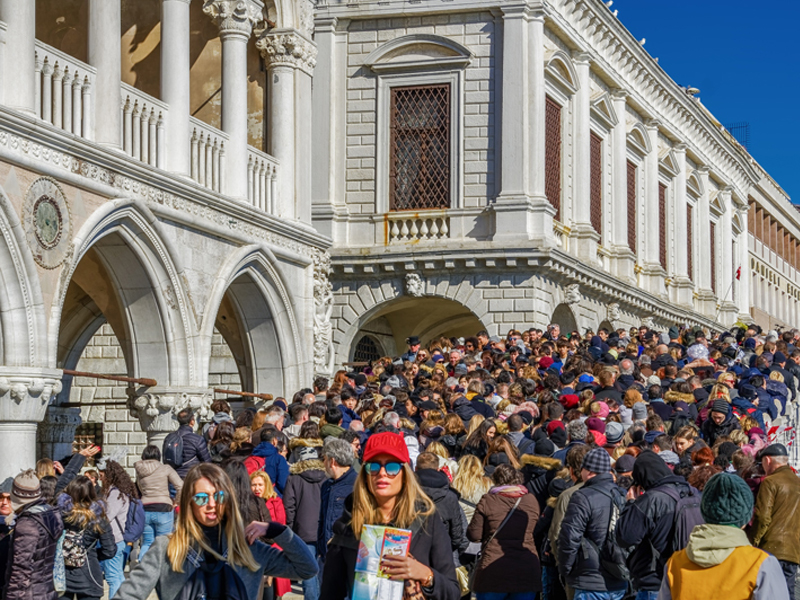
(564, 318)
(428, 318)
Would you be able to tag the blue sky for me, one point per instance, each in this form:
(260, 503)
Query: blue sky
(743, 57)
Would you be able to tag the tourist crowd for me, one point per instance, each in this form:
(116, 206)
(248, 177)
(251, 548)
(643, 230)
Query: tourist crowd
(544, 464)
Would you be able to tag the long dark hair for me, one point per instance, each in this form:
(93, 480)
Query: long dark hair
(223, 434)
(240, 480)
(114, 476)
(478, 439)
(85, 508)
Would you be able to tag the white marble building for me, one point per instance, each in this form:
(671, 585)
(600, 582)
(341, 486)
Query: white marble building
(503, 164)
(142, 232)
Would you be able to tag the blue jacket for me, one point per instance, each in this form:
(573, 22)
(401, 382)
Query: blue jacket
(334, 493)
(265, 458)
(348, 416)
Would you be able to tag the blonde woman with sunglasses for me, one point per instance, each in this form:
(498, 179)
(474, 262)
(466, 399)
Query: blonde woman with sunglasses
(386, 492)
(210, 533)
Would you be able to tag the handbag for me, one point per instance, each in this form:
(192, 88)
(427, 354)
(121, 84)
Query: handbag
(487, 542)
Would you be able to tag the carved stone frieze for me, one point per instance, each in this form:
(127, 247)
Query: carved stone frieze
(26, 392)
(287, 47)
(323, 308)
(155, 408)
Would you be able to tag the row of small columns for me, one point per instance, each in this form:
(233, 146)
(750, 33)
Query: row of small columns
(290, 58)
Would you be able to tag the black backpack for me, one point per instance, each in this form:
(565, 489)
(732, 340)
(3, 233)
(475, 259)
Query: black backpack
(231, 586)
(172, 452)
(686, 517)
(612, 556)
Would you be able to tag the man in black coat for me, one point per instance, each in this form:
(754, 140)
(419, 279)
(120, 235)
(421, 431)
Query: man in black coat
(5, 529)
(437, 486)
(589, 517)
(195, 448)
(647, 523)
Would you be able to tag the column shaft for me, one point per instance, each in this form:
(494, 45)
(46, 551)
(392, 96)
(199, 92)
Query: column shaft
(651, 197)
(175, 82)
(514, 140)
(581, 210)
(234, 111)
(105, 24)
(19, 78)
(536, 104)
(281, 134)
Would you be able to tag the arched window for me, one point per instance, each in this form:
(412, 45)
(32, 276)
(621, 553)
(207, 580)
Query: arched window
(366, 350)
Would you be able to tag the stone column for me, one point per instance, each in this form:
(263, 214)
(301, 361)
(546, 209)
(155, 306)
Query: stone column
(682, 284)
(743, 262)
(57, 432)
(25, 393)
(105, 25)
(291, 58)
(175, 82)
(586, 238)
(706, 302)
(728, 311)
(623, 259)
(519, 214)
(652, 275)
(235, 19)
(19, 71)
(156, 408)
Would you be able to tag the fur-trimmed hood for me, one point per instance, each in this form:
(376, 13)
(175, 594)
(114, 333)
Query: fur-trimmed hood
(303, 466)
(672, 397)
(304, 443)
(542, 462)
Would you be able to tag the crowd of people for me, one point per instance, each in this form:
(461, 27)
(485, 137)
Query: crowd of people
(542, 464)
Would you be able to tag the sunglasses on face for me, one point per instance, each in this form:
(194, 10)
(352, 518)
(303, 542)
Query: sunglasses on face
(202, 498)
(392, 468)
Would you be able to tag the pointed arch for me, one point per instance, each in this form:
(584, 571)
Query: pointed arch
(124, 243)
(268, 344)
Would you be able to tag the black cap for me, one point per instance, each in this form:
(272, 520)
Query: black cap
(624, 463)
(429, 405)
(772, 450)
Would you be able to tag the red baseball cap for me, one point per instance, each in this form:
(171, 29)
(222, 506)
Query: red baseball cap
(553, 425)
(389, 443)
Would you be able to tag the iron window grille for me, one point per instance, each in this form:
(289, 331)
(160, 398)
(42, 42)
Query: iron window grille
(662, 225)
(690, 240)
(632, 206)
(552, 155)
(596, 182)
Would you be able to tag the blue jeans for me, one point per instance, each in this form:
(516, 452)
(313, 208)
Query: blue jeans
(311, 587)
(113, 568)
(505, 596)
(589, 595)
(155, 524)
(643, 595)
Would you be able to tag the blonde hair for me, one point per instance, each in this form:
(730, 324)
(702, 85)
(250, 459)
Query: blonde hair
(474, 423)
(45, 468)
(776, 376)
(269, 489)
(471, 481)
(411, 504)
(632, 397)
(242, 435)
(720, 391)
(189, 534)
(438, 449)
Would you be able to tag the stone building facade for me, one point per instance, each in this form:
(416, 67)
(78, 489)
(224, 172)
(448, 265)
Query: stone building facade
(510, 163)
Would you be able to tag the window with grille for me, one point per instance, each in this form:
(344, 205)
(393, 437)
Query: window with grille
(632, 206)
(713, 244)
(596, 182)
(662, 225)
(366, 351)
(86, 435)
(419, 173)
(690, 240)
(552, 155)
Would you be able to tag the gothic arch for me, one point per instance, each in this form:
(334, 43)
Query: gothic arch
(123, 270)
(264, 335)
(564, 317)
(23, 331)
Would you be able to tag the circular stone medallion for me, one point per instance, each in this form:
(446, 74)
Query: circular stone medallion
(47, 222)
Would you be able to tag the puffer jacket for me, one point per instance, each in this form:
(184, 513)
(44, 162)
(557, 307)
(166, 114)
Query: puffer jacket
(777, 515)
(153, 479)
(266, 458)
(303, 497)
(588, 515)
(539, 471)
(88, 579)
(32, 553)
(296, 444)
(437, 486)
(334, 493)
(712, 431)
(195, 450)
(430, 545)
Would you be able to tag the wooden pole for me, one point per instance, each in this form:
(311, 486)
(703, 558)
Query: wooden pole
(248, 394)
(137, 380)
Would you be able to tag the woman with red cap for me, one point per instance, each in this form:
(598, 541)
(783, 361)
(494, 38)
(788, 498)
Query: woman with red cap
(386, 492)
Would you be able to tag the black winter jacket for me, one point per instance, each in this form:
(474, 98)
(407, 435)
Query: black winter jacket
(31, 556)
(646, 523)
(195, 450)
(430, 545)
(303, 497)
(437, 486)
(588, 515)
(538, 472)
(334, 493)
(712, 431)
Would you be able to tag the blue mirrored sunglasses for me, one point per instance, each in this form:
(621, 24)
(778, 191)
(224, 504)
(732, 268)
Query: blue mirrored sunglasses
(392, 468)
(202, 498)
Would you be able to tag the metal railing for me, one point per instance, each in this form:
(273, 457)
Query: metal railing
(262, 180)
(208, 155)
(143, 135)
(64, 89)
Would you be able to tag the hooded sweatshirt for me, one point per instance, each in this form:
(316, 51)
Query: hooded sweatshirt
(719, 563)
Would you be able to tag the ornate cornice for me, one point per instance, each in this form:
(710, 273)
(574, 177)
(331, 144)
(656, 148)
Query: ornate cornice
(287, 47)
(233, 17)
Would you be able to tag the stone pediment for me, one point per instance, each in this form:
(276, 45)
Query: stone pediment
(418, 52)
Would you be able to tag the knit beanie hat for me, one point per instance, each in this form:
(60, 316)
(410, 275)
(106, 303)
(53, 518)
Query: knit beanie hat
(25, 489)
(559, 437)
(639, 411)
(595, 424)
(727, 500)
(721, 406)
(614, 432)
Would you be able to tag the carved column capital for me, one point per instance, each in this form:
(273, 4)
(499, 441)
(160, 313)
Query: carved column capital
(287, 47)
(155, 408)
(25, 392)
(233, 17)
